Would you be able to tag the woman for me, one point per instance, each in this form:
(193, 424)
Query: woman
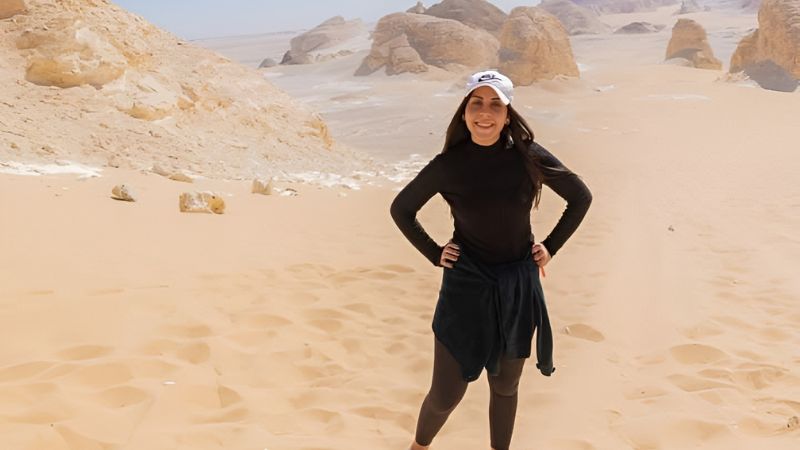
(490, 172)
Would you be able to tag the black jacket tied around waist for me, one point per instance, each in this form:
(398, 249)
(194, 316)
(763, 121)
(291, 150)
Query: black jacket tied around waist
(487, 312)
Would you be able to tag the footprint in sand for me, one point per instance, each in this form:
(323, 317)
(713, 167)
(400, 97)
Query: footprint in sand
(195, 352)
(757, 427)
(302, 298)
(24, 370)
(773, 334)
(228, 397)
(397, 348)
(306, 271)
(404, 420)
(233, 416)
(702, 330)
(696, 354)
(324, 313)
(190, 331)
(77, 441)
(361, 308)
(734, 322)
(261, 321)
(583, 331)
(352, 346)
(379, 275)
(326, 325)
(759, 376)
(696, 384)
(397, 268)
(84, 352)
(102, 375)
(252, 338)
(644, 393)
(122, 396)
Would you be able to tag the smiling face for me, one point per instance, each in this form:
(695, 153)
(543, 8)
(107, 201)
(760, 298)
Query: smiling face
(485, 116)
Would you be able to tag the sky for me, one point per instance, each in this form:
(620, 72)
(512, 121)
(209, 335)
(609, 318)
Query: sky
(195, 19)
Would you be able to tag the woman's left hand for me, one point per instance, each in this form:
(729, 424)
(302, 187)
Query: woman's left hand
(541, 256)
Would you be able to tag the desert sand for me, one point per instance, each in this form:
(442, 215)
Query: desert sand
(303, 322)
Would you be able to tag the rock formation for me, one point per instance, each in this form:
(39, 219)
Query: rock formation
(308, 47)
(70, 56)
(263, 187)
(123, 193)
(689, 41)
(576, 19)
(419, 8)
(406, 42)
(201, 202)
(267, 63)
(535, 46)
(478, 14)
(777, 40)
(88, 82)
(639, 28)
(10, 8)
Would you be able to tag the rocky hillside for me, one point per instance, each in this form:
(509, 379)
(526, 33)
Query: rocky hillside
(86, 81)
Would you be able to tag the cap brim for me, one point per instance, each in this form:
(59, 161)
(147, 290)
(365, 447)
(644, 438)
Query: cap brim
(500, 94)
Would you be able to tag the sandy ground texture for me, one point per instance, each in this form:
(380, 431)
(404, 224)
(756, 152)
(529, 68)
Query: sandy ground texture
(303, 322)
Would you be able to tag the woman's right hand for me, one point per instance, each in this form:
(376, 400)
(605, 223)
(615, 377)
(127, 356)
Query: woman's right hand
(450, 255)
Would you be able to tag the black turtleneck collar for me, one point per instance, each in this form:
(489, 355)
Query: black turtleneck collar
(485, 148)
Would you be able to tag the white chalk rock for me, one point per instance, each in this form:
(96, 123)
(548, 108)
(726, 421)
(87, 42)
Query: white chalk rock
(71, 56)
(174, 175)
(123, 192)
(263, 187)
(202, 202)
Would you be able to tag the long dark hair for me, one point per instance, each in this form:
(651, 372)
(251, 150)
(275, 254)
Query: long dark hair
(517, 134)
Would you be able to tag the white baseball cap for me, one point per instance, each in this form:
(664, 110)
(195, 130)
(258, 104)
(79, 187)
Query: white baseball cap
(495, 80)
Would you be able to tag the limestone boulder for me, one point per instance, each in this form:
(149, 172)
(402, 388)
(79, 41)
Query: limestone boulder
(69, 56)
(777, 38)
(534, 45)
(478, 14)
(639, 28)
(406, 42)
(123, 192)
(201, 202)
(690, 41)
(262, 186)
(771, 76)
(10, 8)
(267, 63)
(309, 46)
(576, 19)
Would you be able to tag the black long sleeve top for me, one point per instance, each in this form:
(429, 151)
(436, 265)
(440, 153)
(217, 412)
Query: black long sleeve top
(490, 195)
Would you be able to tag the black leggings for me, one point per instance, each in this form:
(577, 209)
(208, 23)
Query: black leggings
(448, 388)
